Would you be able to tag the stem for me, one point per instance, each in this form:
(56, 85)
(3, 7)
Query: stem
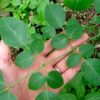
(94, 37)
(31, 72)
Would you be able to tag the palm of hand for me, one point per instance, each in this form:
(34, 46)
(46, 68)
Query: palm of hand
(12, 72)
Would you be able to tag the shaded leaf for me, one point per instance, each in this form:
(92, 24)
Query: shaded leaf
(54, 79)
(59, 41)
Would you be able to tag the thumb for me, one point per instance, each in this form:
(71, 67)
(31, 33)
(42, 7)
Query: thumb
(5, 53)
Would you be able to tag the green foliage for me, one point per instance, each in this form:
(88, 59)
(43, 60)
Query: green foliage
(91, 71)
(78, 4)
(54, 79)
(24, 59)
(48, 31)
(92, 96)
(97, 5)
(47, 95)
(7, 96)
(86, 50)
(73, 60)
(59, 41)
(4, 3)
(74, 29)
(14, 32)
(68, 96)
(36, 81)
(16, 2)
(55, 15)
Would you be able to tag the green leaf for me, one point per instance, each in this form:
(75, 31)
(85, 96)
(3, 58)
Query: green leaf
(24, 59)
(16, 2)
(54, 79)
(73, 60)
(36, 81)
(59, 41)
(74, 29)
(4, 3)
(2, 84)
(77, 84)
(78, 4)
(7, 96)
(86, 50)
(47, 95)
(91, 71)
(14, 32)
(55, 15)
(97, 5)
(48, 31)
(68, 96)
(37, 46)
(34, 3)
(92, 96)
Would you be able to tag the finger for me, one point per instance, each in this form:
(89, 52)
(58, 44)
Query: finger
(48, 48)
(57, 53)
(62, 65)
(5, 52)
(70, 73)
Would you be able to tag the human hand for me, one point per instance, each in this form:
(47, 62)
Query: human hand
(12, 73)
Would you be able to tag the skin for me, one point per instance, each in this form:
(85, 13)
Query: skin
(12, 73)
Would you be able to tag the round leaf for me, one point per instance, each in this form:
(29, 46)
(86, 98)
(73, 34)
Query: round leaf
(91, 71)
(37, 46)
(86, 50)
(24, 59)
(74, 29)
(47, 95)
(36, 81)
(54, 79)
(55, 15)
(14, 32)
(73, 60)
(59, 41)
(78, 4)
(48, 31)
(7, 96)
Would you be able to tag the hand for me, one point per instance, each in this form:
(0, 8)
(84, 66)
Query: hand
(12, 73)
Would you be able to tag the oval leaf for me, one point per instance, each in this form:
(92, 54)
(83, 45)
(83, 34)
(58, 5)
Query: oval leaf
(24, 59)
(91, 71)
(47, 95)
(36, 81)
(78, 4)
(54, 79)
(59, 41)
(55, 15)
(14, 32)
(86, 50)
(97, 5)
(73, 60)
(74, 29)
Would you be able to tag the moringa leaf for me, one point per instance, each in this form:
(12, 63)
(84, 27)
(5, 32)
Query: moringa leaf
(55, 15)
(36, 81)
(54, 79)
(14, 32)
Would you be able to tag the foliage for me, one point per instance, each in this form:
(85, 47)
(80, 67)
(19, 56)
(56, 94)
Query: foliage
(23, 30)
